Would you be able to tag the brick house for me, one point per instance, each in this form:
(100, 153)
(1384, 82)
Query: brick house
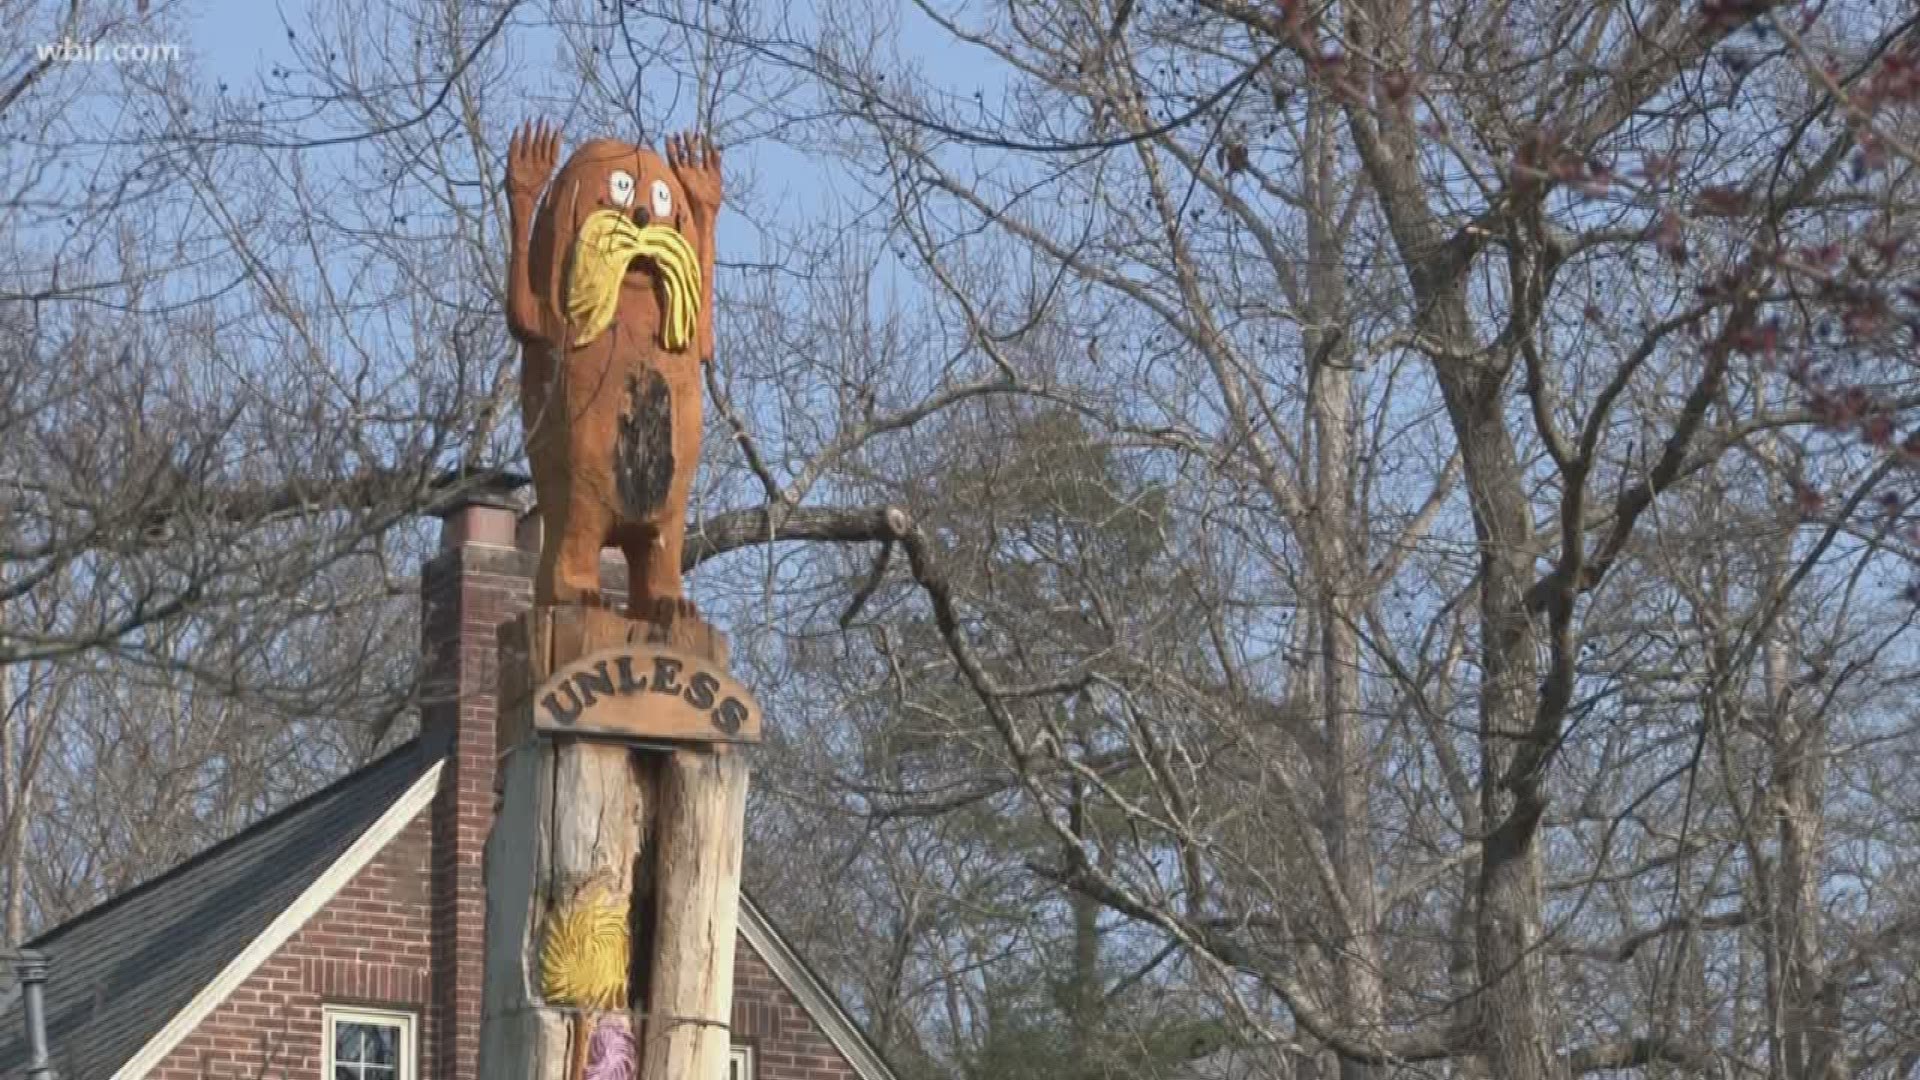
(341, 938)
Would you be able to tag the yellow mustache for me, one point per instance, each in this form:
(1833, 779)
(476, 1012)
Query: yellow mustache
(608, 241)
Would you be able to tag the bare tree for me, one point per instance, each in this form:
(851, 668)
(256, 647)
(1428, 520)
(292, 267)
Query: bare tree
(224, 406)
(1455, 335)
(1280, 539)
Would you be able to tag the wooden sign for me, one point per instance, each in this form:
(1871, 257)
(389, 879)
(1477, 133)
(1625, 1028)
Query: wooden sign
(646, 692)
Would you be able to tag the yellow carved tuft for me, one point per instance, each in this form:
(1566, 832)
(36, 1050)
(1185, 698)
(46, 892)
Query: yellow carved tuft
(583, 961)
(608, 241)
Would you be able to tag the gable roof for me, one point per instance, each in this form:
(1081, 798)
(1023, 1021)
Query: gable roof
(126, 971)
(814, 995)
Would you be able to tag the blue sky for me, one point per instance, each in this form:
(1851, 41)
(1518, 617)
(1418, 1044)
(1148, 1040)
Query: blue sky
(236, 38)
(240, 41)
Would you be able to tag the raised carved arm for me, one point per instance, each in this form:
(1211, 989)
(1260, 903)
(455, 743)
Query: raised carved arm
(696, 164)
(531, 157)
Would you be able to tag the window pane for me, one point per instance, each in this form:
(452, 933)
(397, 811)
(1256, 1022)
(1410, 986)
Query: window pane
(347, 1039)
(368, 1047)
(383, 1044)
(370, 1044)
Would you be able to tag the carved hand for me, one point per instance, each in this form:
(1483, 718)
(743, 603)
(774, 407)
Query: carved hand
(696, 164)
(531, 156)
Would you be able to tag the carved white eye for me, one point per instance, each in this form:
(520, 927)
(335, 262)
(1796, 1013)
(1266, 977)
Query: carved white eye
(620, 186)
(662, 199)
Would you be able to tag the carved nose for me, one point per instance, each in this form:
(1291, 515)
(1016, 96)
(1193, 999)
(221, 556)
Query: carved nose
(641, 215)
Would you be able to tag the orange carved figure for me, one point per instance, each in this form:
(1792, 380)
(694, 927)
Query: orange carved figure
(610, 295)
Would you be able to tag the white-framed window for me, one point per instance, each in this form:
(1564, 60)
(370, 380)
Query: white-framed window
(368, 1044)
(740, 1064)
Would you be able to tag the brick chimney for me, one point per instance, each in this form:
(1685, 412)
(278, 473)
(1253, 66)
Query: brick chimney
(479, 578)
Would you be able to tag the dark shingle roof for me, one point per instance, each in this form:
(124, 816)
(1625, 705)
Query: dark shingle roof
(121, 971)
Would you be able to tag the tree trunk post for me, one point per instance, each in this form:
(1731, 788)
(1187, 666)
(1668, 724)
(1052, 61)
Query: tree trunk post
(613, 866)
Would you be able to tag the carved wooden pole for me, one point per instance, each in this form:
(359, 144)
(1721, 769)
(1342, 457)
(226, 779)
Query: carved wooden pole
(703, 802)
(613, 868)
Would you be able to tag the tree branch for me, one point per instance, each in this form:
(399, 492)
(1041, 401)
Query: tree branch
(1637, 1053)
(737, 529)
(1624, 948)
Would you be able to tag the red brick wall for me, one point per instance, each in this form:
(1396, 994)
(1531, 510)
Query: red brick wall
(787, 1044)
(370, 945)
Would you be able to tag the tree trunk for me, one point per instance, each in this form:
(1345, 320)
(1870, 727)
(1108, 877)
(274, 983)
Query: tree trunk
(1514, 1021)
(703, 806)
(566, 839)
(1339, 569)
(578, 928)
(12, 803)
(1809, 1046)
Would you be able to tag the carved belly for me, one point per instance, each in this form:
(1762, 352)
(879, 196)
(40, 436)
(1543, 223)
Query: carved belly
(643, 447)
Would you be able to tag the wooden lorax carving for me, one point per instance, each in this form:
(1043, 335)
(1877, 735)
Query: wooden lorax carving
(609, 292)
(613, 872)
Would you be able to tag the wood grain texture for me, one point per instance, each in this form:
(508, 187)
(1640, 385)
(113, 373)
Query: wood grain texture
(580, 820)
(569, 830)
(513, 723)
(702, 803)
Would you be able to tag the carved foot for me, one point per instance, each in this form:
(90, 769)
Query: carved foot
(665, 610)
(674, 621)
